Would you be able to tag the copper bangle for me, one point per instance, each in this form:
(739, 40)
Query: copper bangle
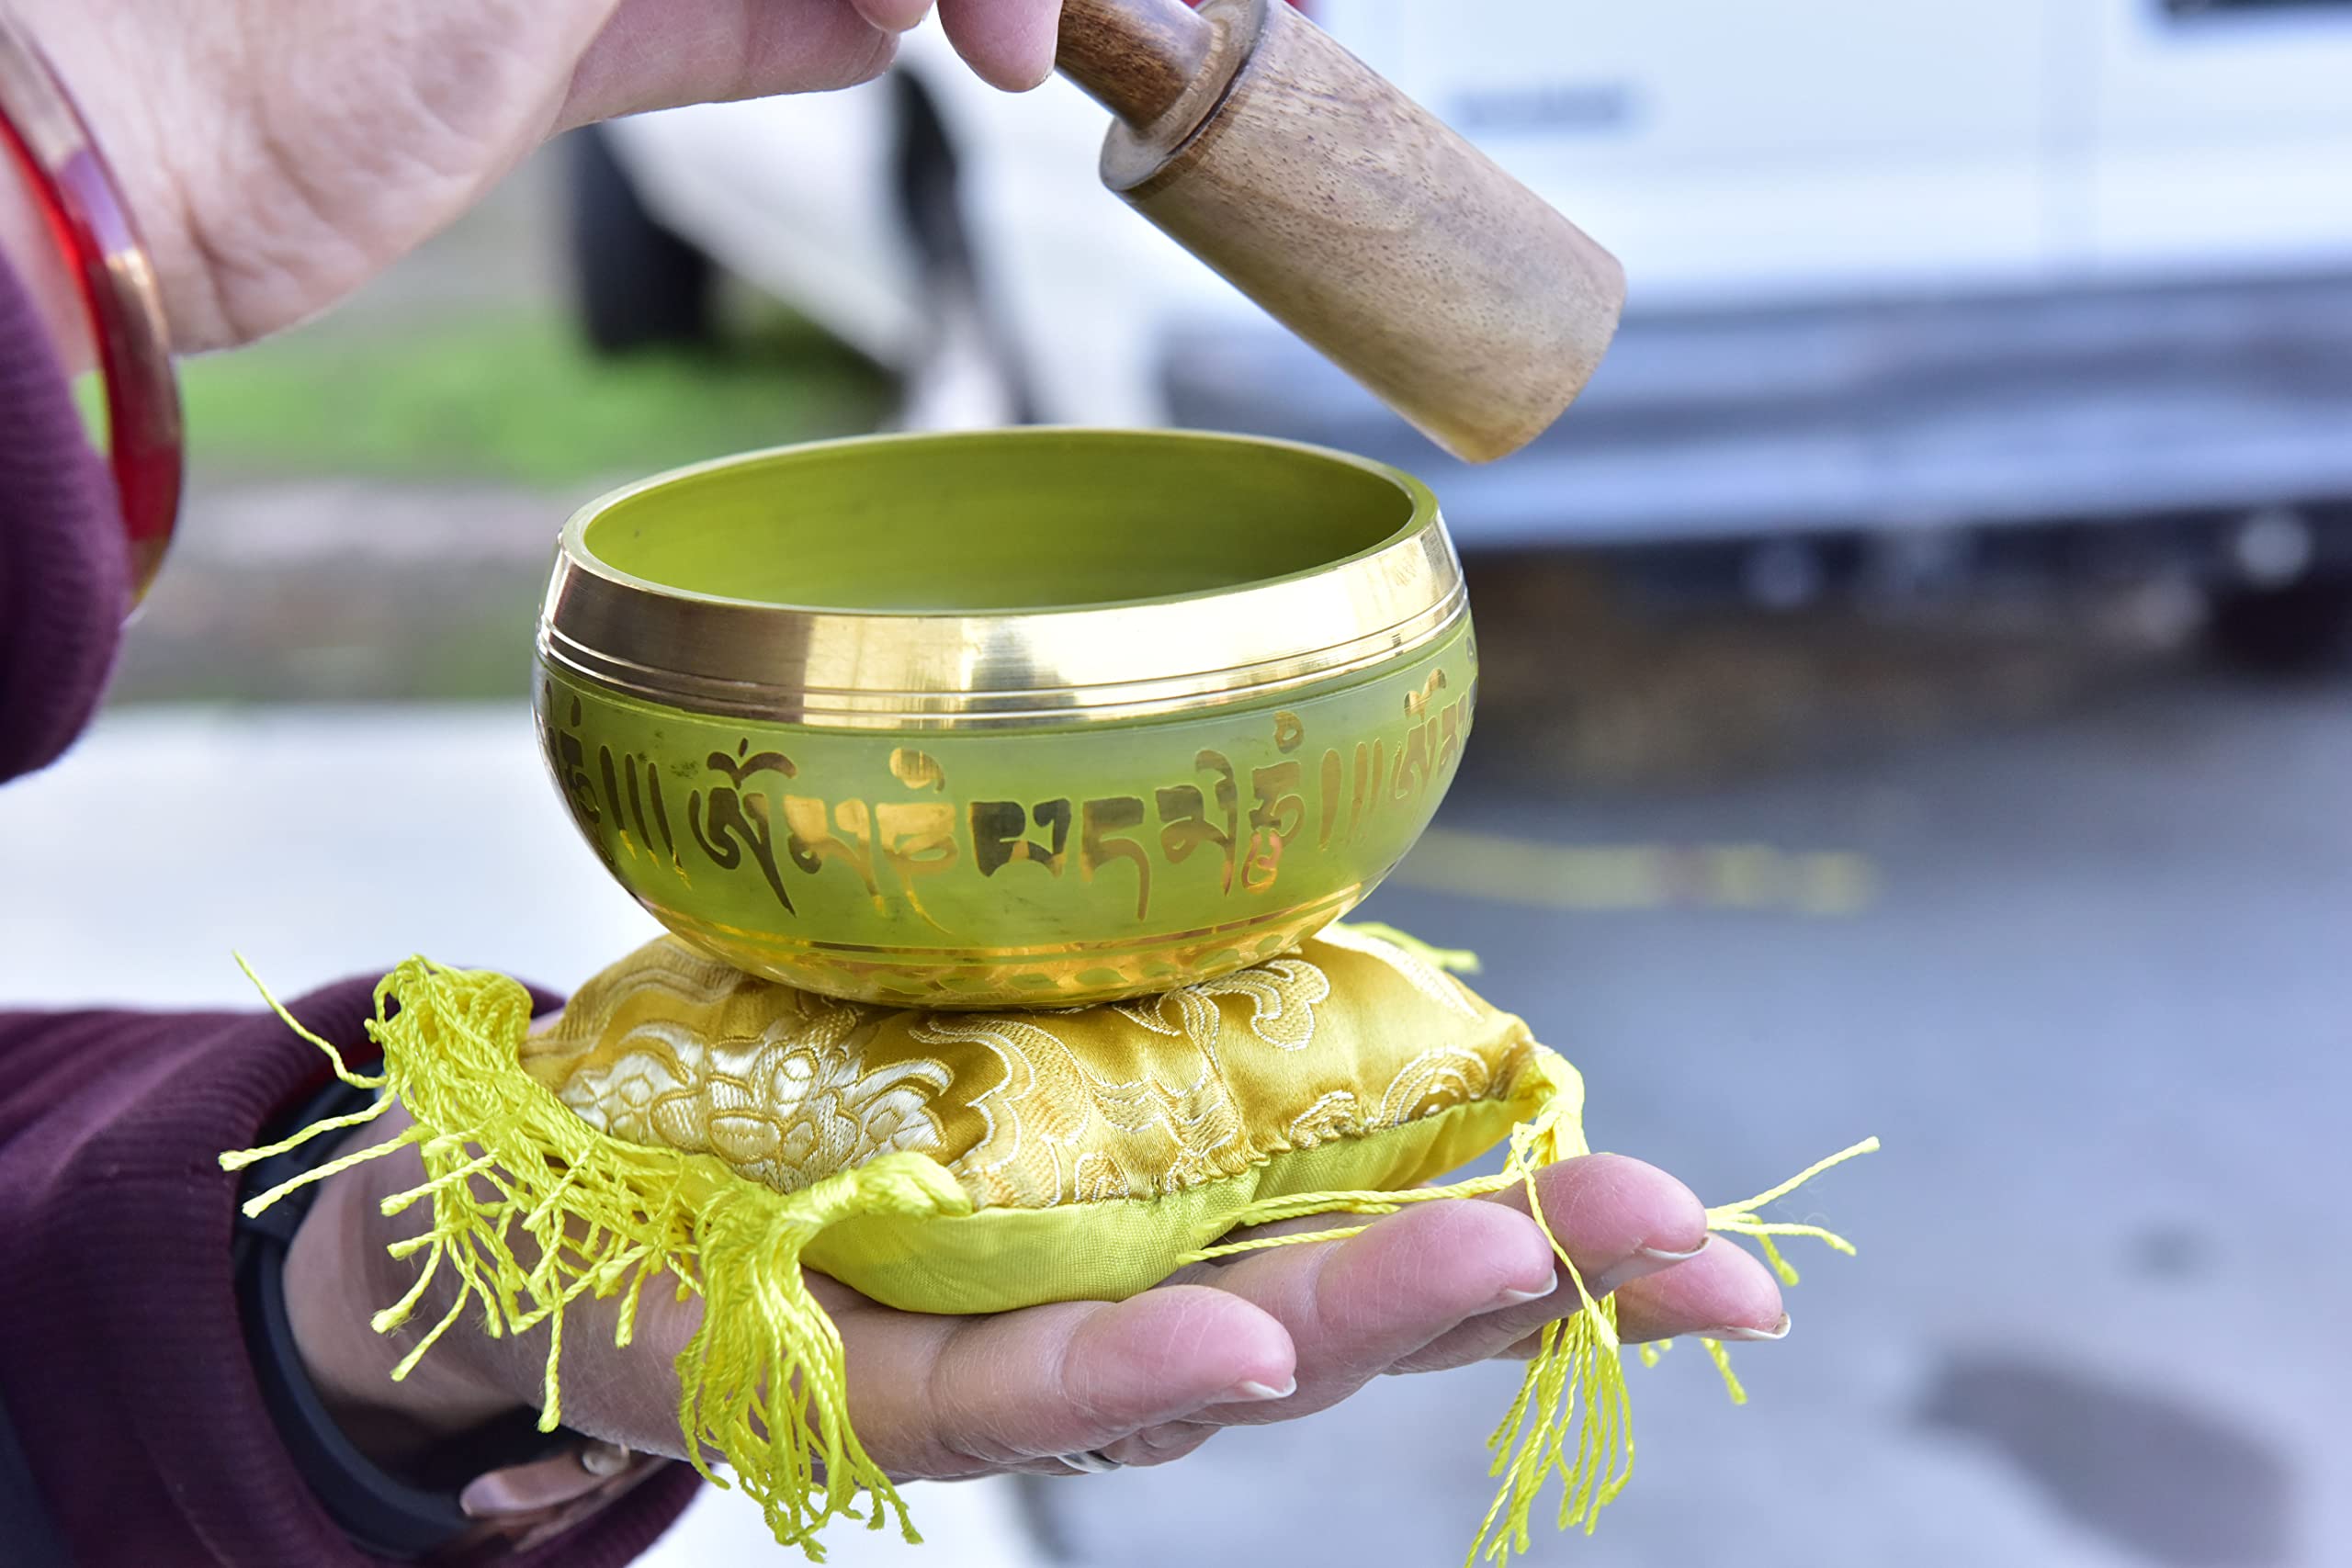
(88, 217)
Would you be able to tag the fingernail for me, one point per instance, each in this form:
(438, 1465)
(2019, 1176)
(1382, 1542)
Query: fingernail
(1661, 1257)
(1644, 1262)
(1260, 1391)
(1519, 1298)
(1780, 1331)
(605, 1459)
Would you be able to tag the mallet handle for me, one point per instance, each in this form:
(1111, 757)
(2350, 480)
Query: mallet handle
(1134, 57)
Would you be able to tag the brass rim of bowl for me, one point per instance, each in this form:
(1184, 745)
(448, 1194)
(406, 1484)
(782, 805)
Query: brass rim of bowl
(900, 669)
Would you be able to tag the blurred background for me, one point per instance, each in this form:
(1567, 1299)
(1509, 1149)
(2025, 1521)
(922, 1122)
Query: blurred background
(1918, 701)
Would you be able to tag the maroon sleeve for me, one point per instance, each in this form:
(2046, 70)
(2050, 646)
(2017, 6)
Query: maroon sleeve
(64, 568)
(122, 1360)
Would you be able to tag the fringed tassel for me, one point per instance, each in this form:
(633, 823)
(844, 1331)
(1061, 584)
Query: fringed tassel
(1579, 1362)
(532, 1208)
(765, 1381)
(1577, 1356)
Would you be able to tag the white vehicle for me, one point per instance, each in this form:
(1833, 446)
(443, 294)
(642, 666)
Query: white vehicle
(1898, 270)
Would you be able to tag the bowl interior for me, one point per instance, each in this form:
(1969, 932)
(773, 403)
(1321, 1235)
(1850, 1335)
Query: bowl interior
(1000, 522)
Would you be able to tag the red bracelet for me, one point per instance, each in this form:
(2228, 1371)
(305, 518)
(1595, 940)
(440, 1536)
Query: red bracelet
(92, 226)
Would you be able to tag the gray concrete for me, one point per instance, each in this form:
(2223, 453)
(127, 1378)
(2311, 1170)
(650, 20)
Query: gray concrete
(2098, 1003)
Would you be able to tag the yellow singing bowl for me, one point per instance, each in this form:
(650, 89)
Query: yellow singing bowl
(1024, 717)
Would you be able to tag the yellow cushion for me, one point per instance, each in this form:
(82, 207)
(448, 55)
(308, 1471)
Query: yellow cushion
(1098, 1146)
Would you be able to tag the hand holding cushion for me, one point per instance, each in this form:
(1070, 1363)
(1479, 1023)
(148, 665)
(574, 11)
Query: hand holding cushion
(1043, 1199)
(1146, 1379)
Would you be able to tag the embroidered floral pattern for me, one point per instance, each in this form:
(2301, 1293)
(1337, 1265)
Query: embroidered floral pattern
(1348, 1036)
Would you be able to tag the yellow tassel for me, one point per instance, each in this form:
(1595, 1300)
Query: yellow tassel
(765, 1381)
(533, 1208)
(244, 1157)
(1575, 1356)
(1578, 1361)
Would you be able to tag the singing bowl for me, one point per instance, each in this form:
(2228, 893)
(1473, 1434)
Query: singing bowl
(1028, 717)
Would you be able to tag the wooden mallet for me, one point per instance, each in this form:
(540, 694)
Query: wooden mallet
(1355, 217)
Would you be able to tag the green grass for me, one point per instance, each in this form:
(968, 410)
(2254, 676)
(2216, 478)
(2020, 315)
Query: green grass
(503, 398)
(516, 398)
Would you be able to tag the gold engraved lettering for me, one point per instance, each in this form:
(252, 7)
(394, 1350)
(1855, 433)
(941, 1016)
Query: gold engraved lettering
(1274, 820)
(997, 827)
(1098, 821)
(612, 797)
(1417, 704)
(1449, 746)
(1334, 779)
(813, 843)
(1187, 825)
(1412, 765)
(569, 759)
(916, 770)
(917, 837)
(730, 820)
(636, 800)
(662, 813)
(1363, 799)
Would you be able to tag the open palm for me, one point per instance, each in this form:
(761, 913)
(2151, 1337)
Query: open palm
(1267, 1337)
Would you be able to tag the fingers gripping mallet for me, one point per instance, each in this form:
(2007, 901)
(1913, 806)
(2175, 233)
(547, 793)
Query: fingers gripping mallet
(1349, 212)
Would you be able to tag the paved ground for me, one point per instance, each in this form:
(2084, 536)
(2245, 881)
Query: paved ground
(2085, 973)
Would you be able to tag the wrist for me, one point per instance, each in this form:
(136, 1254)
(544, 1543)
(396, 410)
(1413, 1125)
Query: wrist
(34, 253)
(337, 1276)
(431, 1468)
(63, 178)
